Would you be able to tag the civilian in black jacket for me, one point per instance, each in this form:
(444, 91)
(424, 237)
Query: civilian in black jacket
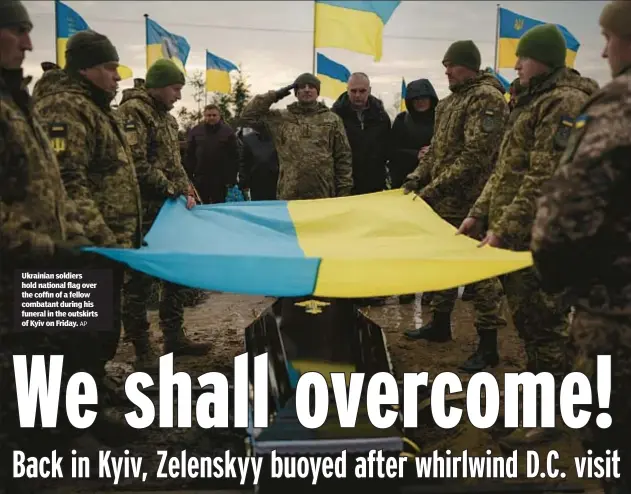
(258, 167)
(368, 130)
(412, 130)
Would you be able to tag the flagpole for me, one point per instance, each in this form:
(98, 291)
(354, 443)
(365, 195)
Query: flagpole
(313, 48)
(497, 36)
(146, 16)
(205, 88)
(57, 32)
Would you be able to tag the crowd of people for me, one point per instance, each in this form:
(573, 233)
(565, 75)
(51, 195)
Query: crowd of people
(547, 171)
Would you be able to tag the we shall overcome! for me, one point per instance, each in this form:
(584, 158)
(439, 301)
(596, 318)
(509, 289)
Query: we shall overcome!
(40, 387)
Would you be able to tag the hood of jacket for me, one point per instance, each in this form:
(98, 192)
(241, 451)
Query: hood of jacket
(60, 81)
(482, 79)
(421, 88)
(563, 77)
(342, 105)
(298, 108)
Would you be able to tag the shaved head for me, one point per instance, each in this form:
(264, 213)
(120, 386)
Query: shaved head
(358, 90)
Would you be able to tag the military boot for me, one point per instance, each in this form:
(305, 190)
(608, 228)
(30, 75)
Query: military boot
(179, 344)
(485, 356)
(147, 360)
(438, 330)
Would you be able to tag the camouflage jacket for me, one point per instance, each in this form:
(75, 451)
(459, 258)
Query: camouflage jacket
(314, 156)
(35, 212)
(467, 133)
(152, 133)
(581, 239)
(94, 157)
(536, 137)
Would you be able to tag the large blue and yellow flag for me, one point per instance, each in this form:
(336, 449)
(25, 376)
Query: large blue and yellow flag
(333, 77)
(163, 44)
(218, 74)
(404, 90)
(69, 22)
(378, 244)
(352, 25)
(513, 26)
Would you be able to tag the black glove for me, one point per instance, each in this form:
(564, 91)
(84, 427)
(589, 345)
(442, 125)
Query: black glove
(411, 185)
(68, 252)
(284, 92)
(144, 244)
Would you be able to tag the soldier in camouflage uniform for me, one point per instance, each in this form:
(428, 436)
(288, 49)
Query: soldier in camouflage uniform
(39, 230)
(314, 155)
(538, 129)
(450, 176)
(581, 241)
(98, 173)
(152, 133)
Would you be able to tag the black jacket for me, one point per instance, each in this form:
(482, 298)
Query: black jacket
(258, 167)
(370, 142)
(411, 131)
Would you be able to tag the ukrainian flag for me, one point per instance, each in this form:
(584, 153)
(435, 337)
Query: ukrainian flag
(404, 92)
(353, 25)
(67, 23)
(333, 77)
(513, 26)
(368, 245)
(218, 74)
(163, 44)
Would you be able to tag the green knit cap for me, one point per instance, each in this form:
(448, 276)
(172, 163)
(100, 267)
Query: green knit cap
(464, 53)
(545, 44)
(87, 49)
(13, 13)
(163, 73)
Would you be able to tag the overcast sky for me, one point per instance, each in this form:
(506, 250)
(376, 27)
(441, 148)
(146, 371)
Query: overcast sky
(273, 40)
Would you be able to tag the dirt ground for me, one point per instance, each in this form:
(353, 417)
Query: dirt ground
(221, 319)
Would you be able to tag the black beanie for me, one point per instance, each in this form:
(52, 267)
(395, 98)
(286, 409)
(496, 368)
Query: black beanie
(464, 53)
(13, 13)
(307, 78)
(87, 49)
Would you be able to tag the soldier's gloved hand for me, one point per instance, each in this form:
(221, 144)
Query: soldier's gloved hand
(411, 185)
(70, 250)
(144, 244)
(284, 92)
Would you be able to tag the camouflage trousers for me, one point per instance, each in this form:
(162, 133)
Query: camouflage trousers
(487, 301)
(136, 292)
(592, 335)
(541, 321)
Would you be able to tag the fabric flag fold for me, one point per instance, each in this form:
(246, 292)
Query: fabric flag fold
(69, 22)
(512, 26)
(218, 74)
(352, 25)
(333, 77)
(380, 244)
(162, 44)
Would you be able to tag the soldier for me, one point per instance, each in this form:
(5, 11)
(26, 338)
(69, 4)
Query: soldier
(38, 230)
(450, 175)
(97, 170)
(550, 97)
(314, 155)
(581, 242)
(152, 133)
